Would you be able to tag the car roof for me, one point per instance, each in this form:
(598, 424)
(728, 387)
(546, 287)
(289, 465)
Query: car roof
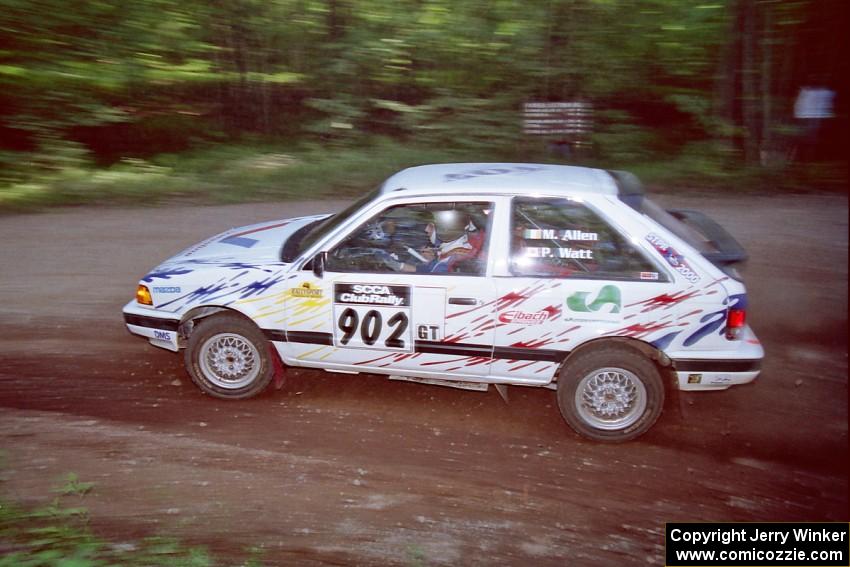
(513, 178)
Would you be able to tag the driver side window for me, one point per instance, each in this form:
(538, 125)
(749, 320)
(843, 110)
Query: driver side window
(422, 238)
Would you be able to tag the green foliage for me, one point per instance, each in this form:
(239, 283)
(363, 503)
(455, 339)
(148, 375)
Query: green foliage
(86, 93)
(73, 485)
(58, 536)
(223, 174)
(619, 140)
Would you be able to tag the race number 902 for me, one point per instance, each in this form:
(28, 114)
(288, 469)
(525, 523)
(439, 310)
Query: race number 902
(380, 328)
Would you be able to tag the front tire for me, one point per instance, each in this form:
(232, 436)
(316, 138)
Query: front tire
(611, 394)
(228, 357)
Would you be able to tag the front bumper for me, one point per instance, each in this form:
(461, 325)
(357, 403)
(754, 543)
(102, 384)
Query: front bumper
(160, 331)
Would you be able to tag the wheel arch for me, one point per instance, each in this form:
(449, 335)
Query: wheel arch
(196, 314)
(656, 355)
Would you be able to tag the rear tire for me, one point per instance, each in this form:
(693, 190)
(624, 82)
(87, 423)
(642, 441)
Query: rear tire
(611, 394)
(228, 357)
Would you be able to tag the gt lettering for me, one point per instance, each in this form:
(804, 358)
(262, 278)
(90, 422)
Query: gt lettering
(426, 332)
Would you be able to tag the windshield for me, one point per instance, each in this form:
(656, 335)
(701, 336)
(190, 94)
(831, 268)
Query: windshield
(312, 233)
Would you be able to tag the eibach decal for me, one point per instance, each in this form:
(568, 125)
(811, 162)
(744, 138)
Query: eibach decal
(676, 260)
(526, 318)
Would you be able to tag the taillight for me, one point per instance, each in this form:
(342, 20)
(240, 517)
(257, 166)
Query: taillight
(736, 319)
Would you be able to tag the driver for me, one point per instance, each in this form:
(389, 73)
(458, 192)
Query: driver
(426, 258)
(438, 257)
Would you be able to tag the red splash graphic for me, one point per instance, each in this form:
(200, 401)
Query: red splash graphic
(570, 330)
(665, 300)
(450, 361)
(531, 344)
(717, 282)
(485, 326)
(553, 311)
(374, 360)
(510, 299)
(694, 312)
(640, 330)
(477, 360)
(261, 229)
(456, 338)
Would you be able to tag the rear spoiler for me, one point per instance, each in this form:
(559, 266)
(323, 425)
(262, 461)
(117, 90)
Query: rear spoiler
(697, 229)
(722, 248)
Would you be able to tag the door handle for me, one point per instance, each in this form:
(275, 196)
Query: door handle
(463, 301)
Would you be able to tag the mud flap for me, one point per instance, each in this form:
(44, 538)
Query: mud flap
(279, 369)
(503, 391)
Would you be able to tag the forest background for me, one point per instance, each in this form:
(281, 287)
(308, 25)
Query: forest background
(152, 101)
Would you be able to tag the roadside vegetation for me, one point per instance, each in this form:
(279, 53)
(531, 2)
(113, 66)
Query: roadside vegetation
(240, 100)
(58, 535)
(262, 172)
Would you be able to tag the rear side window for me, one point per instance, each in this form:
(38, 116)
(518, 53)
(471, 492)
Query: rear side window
(565, 239)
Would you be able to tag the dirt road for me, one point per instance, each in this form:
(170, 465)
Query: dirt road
(339, 470)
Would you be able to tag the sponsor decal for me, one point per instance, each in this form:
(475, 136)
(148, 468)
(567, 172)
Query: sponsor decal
(607, 301)
(694, 378)
(649, 275)
(676, 260)
(720, 379)
(162, 335)
(240, 239)
(372, 316)
(192, 249)
(549, 234)
(570, 253)
(171, 289)
(604, 307)
(372, 294)
(506, 170)
(306, 290)
(524, 318)
(165, 274)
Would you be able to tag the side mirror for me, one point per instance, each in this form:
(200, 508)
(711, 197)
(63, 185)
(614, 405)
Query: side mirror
(319, 264)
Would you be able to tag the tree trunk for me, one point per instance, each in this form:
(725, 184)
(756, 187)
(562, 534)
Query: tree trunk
(749, 83)
(766, 87)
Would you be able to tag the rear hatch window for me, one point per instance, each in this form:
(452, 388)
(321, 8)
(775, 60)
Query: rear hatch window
(696, 228)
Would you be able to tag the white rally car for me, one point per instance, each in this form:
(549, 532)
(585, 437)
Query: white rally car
(470, 275)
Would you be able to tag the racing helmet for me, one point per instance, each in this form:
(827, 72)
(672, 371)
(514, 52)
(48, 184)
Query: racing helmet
(452, 224)
(375, 235)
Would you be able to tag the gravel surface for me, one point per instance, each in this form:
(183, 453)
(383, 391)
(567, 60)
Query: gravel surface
(339, 469)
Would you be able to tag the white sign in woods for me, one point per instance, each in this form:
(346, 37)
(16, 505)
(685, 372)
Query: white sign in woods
(573, 120)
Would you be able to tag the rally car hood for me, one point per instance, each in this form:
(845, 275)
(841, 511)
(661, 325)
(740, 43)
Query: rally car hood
(260, 242)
